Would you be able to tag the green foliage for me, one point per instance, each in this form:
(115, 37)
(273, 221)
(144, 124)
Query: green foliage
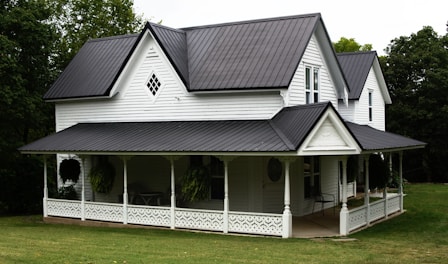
(67, 192)
(102, 176)
(416, 71)
(196, 184)
(350, 45)
(69, 169)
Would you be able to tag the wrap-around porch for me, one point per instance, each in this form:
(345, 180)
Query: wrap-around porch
(225, 220)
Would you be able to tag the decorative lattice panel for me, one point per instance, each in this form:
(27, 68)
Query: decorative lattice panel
(357, 218)
(377, 210)
(104, 212)
(393, 204)
(64, 208)
(199, 219)
(253, 223)
(149, 215)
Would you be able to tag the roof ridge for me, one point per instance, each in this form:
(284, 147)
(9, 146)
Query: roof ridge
(355, 53)
(133, 35)
(257, 20)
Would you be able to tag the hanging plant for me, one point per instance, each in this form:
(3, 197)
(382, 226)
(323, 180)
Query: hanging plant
(69, 169)
(196, 184)
(102, 177)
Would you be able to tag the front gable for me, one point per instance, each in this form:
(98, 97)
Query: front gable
(329, 136)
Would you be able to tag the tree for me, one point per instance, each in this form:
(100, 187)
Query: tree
(350, 45)
(37, 40)
(416, 71)
(80, 20)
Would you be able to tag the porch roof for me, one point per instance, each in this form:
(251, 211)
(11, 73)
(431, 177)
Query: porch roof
(372, 139)
(285, 132)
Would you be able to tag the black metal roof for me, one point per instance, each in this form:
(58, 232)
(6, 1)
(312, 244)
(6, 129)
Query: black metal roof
(257, 54)
(285, 132)
(94, 69)
(356, 67)
(374, 139)
(276, 135)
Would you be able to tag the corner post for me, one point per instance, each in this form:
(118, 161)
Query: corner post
(125, 188)
(366, 190)
(45, 199)
(400, 172)
(344, 214)
(287, 215)
(83, 188)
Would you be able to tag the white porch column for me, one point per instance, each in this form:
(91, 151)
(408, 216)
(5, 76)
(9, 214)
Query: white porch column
(45, 206)
(226, 160)
(366, 189)
(343, 215)
(400, 188)
(386, 215)
(287, 216)
(83, 189)
(173, 192)
(125, 188)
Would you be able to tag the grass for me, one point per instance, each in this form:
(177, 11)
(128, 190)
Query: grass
(418, 236)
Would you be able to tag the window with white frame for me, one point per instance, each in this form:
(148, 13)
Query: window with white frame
(312, 84)
(370, 106)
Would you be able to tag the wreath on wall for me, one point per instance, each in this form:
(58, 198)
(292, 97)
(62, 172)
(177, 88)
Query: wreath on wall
(69, 170)
(102, 176)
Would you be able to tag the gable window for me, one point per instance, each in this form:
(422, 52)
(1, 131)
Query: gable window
(153, 84)
(311, 176)
(370, 106)
(312, 85)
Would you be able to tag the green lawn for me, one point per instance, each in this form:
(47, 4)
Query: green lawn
(418, 236)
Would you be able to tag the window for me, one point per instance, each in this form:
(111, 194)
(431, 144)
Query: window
(311, 173)
(311, 85)
(370, 106)
(153, 84)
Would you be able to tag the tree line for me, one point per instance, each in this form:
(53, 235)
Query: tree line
(38, 38)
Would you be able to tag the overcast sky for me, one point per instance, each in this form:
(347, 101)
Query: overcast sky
(376, 21)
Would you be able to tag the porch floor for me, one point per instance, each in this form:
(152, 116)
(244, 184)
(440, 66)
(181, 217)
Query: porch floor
(316, 225)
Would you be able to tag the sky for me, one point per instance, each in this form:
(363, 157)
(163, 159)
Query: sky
(374, 22)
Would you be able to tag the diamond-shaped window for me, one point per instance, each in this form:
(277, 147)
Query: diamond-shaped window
(153, 84)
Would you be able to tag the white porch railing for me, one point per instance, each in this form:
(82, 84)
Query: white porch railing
(364, 215)
(213, 220)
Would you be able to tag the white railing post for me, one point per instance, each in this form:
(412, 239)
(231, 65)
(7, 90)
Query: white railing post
(173, 193)
(45, 199)
(400, 171)
(125, 189)
(344, 214)
(287, 215)
(366, 189)
(83, 191)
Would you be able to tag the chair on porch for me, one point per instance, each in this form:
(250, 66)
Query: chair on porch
(323, 198)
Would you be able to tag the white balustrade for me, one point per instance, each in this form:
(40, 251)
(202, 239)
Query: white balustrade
(357, 218)
(393, 204)
(199, 219)
(64, 208)
(104, 211)
(255, 223)
(149, 215)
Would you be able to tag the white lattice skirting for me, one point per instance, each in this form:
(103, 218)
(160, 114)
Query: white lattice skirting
(213, 220)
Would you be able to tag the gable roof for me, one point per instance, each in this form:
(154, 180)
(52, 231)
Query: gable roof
(256, 54)
(356, 67)
(94, 69)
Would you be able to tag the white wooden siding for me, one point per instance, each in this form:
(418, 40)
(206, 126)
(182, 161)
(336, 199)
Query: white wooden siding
(312, 57)
(362, 106)
(173, 102)
(347, 111)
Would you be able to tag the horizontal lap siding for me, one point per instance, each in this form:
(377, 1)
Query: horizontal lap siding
(312, 57)
(173, 102)
(362, 110)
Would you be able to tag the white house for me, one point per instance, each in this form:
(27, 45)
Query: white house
(266, 105)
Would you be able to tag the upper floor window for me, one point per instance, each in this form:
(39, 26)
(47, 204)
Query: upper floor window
(312, 85)
(370, 106)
